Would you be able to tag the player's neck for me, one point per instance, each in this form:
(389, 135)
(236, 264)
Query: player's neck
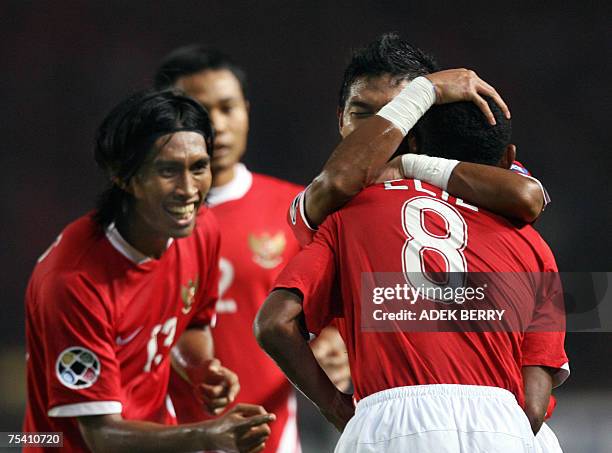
(223, 176)
(142, 239)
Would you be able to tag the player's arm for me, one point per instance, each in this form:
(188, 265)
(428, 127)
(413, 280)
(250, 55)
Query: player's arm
(279, 331)
(538, 383)
(502, 191)
(358, 159)
(193, 359)
(242, 429)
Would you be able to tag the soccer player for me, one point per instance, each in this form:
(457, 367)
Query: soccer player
(396, 373)
(256, 244)
(357, 159)
(127, 282)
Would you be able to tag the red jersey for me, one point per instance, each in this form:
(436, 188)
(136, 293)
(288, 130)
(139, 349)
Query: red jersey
(101, 319)
(383, 230)
(256, 245)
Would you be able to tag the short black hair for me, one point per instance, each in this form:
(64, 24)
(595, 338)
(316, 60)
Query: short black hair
(126, 138)
(461, 131)
(192, 59)
(388, 54)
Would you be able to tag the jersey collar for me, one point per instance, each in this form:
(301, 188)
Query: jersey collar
(125, 248)
(233, 190)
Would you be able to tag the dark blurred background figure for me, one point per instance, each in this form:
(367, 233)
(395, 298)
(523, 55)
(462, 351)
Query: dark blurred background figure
(66, 64)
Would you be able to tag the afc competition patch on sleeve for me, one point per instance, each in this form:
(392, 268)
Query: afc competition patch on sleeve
(77, 367)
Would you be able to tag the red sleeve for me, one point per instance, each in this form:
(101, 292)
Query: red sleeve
(543, 343)
(296, 217)
(81, 369)
(205, 314)
(313, 272)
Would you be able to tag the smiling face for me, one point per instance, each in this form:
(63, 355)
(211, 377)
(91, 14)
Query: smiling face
(167, 192)
(366, 96)
(219, 91)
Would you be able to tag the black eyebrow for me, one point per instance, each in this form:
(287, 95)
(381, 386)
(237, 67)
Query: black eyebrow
(227, 100)
(360, 104)
(203, 160)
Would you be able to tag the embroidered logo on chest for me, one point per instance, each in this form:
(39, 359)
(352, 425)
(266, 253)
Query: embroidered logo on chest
(188, 295)
(267, 249)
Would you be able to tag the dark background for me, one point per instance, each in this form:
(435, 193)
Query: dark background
(65, 64)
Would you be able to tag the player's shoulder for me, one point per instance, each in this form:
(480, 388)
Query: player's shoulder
(71, 258)
(275, 186)
(541, 249)
(72, 246)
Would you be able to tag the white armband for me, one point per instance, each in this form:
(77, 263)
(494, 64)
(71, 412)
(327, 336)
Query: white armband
(432, 170)
(410, 104)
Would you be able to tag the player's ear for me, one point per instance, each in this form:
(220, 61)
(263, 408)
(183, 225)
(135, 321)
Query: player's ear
(119, 183)
(413, 145)
(132, 186)
(508, 156)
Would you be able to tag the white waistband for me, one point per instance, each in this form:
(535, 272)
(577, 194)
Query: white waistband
(416, 391)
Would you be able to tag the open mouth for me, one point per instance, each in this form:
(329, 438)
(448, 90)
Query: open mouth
(182, 214)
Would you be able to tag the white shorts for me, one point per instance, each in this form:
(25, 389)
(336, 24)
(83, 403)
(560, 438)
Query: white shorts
(441, 418)
(546, 441)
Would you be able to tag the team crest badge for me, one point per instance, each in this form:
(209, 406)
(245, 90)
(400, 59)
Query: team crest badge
(188, 295)
(77, 367)
(267, 249)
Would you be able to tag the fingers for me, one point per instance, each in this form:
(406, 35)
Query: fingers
(214, 372)
(484, 108)
(210, 392)
(232, 383)
(214, 397)
(221, 388)
(256, 420)
(485, 88)
(247, 410)
(455, 85)
(216, 406)
(252, 445)
(257, 449)
(254, 437)
(497, 98)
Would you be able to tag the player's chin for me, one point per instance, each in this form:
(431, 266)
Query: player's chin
(184, 230)
(224, 161)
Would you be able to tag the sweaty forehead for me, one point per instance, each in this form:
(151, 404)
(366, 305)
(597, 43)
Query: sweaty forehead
(211, 86)
(375, 90)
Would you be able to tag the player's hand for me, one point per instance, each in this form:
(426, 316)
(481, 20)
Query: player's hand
(243, 429)
(341, 411)
(330, 352)
(454, 85)
(216, 385)
(390, 172)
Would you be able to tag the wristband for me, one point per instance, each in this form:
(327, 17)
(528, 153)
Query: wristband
(410, 104)
(432, 170)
